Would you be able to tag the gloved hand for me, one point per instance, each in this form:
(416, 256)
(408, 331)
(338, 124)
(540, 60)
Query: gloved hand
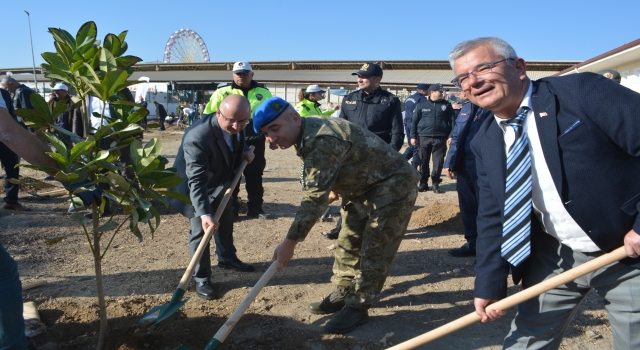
(87, 197)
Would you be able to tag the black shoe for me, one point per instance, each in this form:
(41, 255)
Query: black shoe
(237, 265)
(259, 214)
(333, 234)
(204, 290)
(436, 188)
(332, 303)
(423, 188)
(347, 320)
(467, 249)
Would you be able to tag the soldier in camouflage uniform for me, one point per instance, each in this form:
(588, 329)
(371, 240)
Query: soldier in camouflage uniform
(379, 190)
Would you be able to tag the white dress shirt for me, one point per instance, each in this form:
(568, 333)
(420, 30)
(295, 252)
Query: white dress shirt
(547, 204)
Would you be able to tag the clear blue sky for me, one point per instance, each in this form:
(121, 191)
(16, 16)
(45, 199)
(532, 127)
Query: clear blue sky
(330, 30)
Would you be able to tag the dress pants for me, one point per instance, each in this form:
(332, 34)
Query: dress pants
(253, 176)
(9, 160)
(467, 186)
(225, 249)
(11, 321)
(438, 147)
(541, 322)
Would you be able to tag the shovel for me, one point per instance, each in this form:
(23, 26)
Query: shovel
(159, 313)
(226, 328)
(516, 299)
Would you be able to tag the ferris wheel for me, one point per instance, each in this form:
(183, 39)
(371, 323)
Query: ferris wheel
(185, 46)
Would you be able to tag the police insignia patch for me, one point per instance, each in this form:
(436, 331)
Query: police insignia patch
(259, 97)
(276, 107)
(365, 66)
(384, 100)
(444, 108)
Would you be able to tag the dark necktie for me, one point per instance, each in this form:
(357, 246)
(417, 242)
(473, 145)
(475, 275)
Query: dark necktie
(516, 230)
(235, 142)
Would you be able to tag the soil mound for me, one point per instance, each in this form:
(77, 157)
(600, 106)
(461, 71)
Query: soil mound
(445, 216)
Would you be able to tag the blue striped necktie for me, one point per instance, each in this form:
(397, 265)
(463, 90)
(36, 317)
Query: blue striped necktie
(516, 230)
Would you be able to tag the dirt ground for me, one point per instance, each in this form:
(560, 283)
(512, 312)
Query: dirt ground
(426, 287)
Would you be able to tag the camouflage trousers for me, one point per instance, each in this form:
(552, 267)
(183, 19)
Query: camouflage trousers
(368, 242)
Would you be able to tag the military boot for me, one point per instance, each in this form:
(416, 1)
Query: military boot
(347, 320)
(332, 303)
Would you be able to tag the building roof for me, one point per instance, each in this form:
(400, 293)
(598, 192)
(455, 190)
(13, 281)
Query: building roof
(621, 55)
(396, 73)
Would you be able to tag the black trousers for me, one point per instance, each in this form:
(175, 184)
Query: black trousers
(225, 249)
(253, 176)
(9, 160)
(467, 186)
(436, 146)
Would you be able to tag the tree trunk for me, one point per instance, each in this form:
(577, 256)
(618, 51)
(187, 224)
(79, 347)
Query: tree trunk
(97, 261)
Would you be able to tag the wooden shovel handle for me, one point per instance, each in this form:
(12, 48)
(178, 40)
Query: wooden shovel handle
(516, 299)
(186, 277)
(226, 328)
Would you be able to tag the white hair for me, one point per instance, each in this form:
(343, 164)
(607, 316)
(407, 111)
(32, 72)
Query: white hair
(501, 48)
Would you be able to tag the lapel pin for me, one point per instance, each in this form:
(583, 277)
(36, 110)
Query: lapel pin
(543, 114)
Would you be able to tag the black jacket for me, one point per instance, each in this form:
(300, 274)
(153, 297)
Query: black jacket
(21, 97)
(432, 119)
(378, 112)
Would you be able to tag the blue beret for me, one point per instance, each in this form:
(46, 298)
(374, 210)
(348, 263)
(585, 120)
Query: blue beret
(268, 111)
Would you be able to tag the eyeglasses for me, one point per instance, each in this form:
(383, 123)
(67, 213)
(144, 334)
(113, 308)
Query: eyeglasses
(231, 121)
(462, 80)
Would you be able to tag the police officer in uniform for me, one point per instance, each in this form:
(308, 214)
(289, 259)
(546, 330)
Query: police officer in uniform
(378, 186)
(243, 84)
(374, 109)
(409, 105)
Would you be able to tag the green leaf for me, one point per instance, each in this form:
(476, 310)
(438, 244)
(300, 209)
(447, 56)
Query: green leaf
(80, 218)
(41, 105)
(155, 195)
(62, 36)
(110, 225)
(135, 151)
(56, 76)
(86, 37)
(112, 43)
(119, 180)
(38, 118)
(157, 215)
(127, 61)
(176, 195)
(56, 61)
(62, 161)
(65, 51)
(77, 202)
(150, 167)
(33, 184)
(59, 107)
(123, 35)
(58, 239)
(38, 167)
(107, 61)
(153, 148)
(74, 138)
(91, 54)
(112, 80)
(169, 182)
(145, 204)
(79, 149)
(66, 177)
(58, 144)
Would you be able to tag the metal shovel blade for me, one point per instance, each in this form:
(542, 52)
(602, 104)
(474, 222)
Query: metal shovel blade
(159, 313)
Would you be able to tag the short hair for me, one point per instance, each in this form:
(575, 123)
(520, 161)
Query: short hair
(501, 47)
(7, 80)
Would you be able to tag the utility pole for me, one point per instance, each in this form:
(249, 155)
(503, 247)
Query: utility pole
(33, 60)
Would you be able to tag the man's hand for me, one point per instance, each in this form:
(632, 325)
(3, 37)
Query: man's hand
(208, 221)
(487, 315)
(457, 105)
(284, 253)
(414, 142)
(333, 197)
(450, 174)
(632, 244)
(449, 141)
(248, 155)
(337, 108)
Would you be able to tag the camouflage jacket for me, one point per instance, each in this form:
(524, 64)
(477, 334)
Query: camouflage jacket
(353, 162)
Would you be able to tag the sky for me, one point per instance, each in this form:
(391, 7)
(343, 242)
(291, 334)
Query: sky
(274, 30)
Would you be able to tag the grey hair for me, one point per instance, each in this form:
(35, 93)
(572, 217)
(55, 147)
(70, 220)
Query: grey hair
(7, 80)
(501, 47)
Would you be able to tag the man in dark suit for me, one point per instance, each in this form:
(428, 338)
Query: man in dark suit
(210, 154)
(161, 113)
(566, 192)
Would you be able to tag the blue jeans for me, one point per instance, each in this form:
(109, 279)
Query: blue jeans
(11, 322)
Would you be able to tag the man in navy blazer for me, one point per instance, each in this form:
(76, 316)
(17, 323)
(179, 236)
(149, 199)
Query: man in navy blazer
(582, 133)
(209, 156)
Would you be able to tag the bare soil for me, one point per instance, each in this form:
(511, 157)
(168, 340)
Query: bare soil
(426, 287)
